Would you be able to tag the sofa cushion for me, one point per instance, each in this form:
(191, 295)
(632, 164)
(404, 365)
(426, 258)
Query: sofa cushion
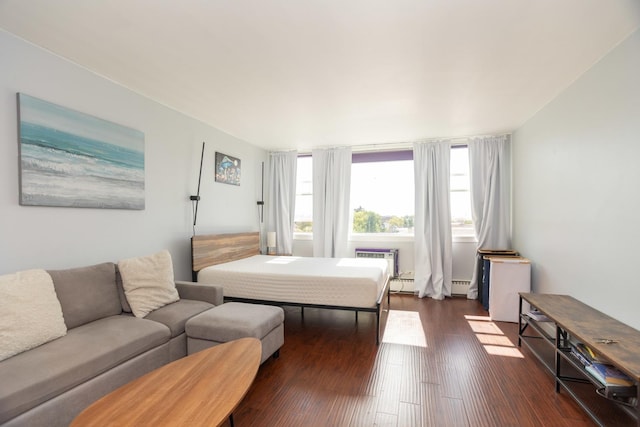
(148, 282)
(30, 313)
(42, 373)
(87, 293)
(233, 320)
(123, 298)
(176, 314)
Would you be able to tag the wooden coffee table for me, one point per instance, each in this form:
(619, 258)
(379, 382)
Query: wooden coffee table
(202, 389)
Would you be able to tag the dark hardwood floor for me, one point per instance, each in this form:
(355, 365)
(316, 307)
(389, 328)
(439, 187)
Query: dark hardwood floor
(441, 363)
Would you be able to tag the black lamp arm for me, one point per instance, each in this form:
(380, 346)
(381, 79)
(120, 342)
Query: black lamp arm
(196, 198)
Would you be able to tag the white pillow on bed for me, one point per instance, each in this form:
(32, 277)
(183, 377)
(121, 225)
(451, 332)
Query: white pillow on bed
(30, 312)
(148, 282)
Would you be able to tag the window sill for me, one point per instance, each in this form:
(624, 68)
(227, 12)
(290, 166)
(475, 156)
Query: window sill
(464, 239)
(302, 236)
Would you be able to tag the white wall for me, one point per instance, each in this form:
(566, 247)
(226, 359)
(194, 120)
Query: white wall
(46, 237)
(576, 177)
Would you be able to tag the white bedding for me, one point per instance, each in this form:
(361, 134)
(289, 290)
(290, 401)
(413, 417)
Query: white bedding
(342, 282)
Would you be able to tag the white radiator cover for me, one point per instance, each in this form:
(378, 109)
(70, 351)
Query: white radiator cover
(460, 287)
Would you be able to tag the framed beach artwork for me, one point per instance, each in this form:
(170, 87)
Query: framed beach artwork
(72, 159)
(227, 169)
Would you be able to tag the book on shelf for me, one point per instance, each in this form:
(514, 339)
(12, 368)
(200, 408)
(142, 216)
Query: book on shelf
(584, 352)
(537, 316)
(581, 357)
(609, 375)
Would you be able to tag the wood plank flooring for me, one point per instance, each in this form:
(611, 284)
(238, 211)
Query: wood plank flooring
(441, 363)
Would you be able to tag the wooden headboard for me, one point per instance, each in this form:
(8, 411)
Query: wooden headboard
(213, 249)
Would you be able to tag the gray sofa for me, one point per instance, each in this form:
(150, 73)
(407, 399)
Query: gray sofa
(104, 348)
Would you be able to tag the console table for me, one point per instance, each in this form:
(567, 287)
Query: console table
(570, 321)
(202, 389)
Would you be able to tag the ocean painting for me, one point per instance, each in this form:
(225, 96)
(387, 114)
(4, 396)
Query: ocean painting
(72, 159)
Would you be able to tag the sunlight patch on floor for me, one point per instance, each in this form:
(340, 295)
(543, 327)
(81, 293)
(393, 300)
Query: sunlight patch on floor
(494, 341)
(484, 327)
(404, 327)
(487, 339)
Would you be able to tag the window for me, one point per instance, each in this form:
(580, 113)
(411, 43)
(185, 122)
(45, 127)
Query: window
(383, 192)
(460, 187)
(303, 215)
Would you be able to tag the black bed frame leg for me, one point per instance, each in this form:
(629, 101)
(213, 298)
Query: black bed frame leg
(378, 326)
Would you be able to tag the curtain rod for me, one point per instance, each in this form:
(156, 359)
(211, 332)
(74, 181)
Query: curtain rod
(396, 146)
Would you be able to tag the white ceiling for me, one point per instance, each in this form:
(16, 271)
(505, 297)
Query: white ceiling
(285, 74)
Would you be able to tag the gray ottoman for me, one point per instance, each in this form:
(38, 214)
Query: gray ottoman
(233, 320)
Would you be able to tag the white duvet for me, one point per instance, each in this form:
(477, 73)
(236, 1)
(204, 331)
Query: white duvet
(343, 282)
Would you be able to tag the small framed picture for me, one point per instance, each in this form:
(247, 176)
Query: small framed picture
(227, 169)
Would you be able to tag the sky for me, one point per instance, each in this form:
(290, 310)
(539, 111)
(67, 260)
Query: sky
(381, 187)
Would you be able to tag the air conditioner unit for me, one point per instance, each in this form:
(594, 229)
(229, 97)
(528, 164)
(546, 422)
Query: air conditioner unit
(391, 255)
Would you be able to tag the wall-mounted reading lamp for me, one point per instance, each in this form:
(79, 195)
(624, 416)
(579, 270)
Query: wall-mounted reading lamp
(195, 199)
(261, 201)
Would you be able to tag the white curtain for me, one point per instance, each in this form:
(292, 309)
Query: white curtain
(281, 198)
(490, 175)
(433, 262)
(331, 184)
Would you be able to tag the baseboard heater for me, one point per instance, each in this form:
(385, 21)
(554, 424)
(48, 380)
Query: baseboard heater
(391, 255)
(460, 287)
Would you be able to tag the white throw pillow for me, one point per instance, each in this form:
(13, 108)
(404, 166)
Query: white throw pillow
(148, 282)
(30, 313)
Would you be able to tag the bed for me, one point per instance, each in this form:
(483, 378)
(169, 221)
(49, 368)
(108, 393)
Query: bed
(234, 262)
